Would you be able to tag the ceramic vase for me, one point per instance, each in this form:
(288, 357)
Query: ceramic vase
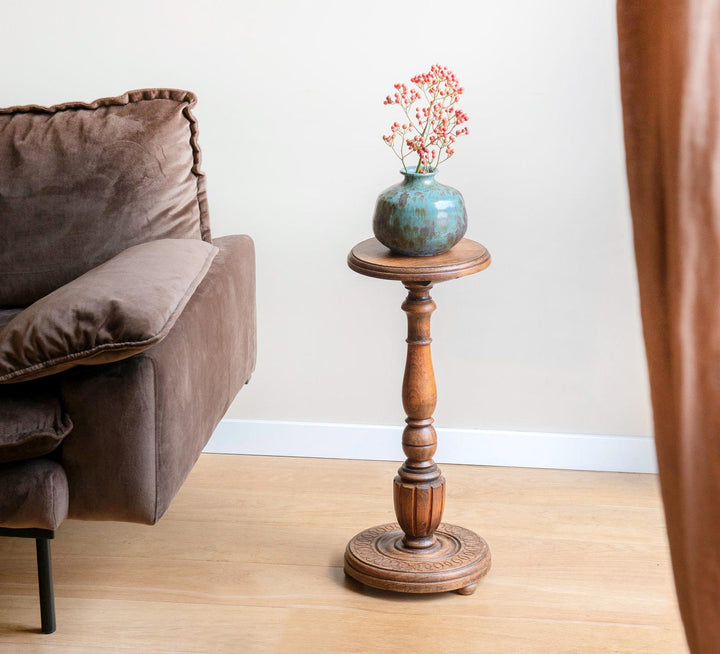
(419, 216)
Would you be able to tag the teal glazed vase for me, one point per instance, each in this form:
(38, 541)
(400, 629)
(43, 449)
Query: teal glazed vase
(419, 217)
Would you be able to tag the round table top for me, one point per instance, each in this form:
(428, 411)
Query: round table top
(373, 259)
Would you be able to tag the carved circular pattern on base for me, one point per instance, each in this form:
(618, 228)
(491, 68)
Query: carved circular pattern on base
(378, 558)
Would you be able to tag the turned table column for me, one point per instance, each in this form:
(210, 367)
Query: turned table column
(419, 554)
(419, 488)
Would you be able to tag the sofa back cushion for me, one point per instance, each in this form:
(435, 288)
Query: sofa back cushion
(80, 182)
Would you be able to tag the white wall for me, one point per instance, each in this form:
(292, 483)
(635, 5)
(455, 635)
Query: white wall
(548, 339)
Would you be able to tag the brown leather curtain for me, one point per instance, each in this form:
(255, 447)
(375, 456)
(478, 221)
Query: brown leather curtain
(670, 75)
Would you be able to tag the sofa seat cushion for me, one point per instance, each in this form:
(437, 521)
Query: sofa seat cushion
(33, 495)
(32, 421)
(122, 307)
(81, 182)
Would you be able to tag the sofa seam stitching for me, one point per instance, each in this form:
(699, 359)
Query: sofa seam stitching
(52, 504)
(155, 439)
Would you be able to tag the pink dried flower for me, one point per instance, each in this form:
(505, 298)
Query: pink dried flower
(436, 122)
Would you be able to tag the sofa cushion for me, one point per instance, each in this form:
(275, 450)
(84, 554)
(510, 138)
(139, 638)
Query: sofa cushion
(33, 494)
(113, 311)
(80, 183)
(32, 422)
(6, 315)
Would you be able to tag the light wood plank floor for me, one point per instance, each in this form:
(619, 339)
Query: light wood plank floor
(249, 559)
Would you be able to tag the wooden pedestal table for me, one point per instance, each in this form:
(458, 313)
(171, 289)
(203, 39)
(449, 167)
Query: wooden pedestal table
(418, 554)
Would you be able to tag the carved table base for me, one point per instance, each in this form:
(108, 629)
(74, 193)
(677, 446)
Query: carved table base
(457, 560)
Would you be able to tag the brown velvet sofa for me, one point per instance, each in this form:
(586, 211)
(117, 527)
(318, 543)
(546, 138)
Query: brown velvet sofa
(125, 329)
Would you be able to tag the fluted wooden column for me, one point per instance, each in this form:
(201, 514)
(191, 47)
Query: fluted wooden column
(419, 486)
(418, 554)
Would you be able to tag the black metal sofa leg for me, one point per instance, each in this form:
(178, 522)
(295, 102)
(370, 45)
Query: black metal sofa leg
(44, 566)
(45, 584)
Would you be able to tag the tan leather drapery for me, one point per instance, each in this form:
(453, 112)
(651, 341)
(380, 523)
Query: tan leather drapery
(670, 75)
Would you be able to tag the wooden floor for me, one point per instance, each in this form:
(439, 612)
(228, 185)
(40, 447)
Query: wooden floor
(249, 559)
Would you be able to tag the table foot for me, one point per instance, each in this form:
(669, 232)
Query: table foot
(457, 560)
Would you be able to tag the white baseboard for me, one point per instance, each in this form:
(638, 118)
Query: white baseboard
(469, 446)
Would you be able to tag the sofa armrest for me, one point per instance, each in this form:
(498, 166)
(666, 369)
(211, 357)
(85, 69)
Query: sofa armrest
(141, 423)
(113, 311)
